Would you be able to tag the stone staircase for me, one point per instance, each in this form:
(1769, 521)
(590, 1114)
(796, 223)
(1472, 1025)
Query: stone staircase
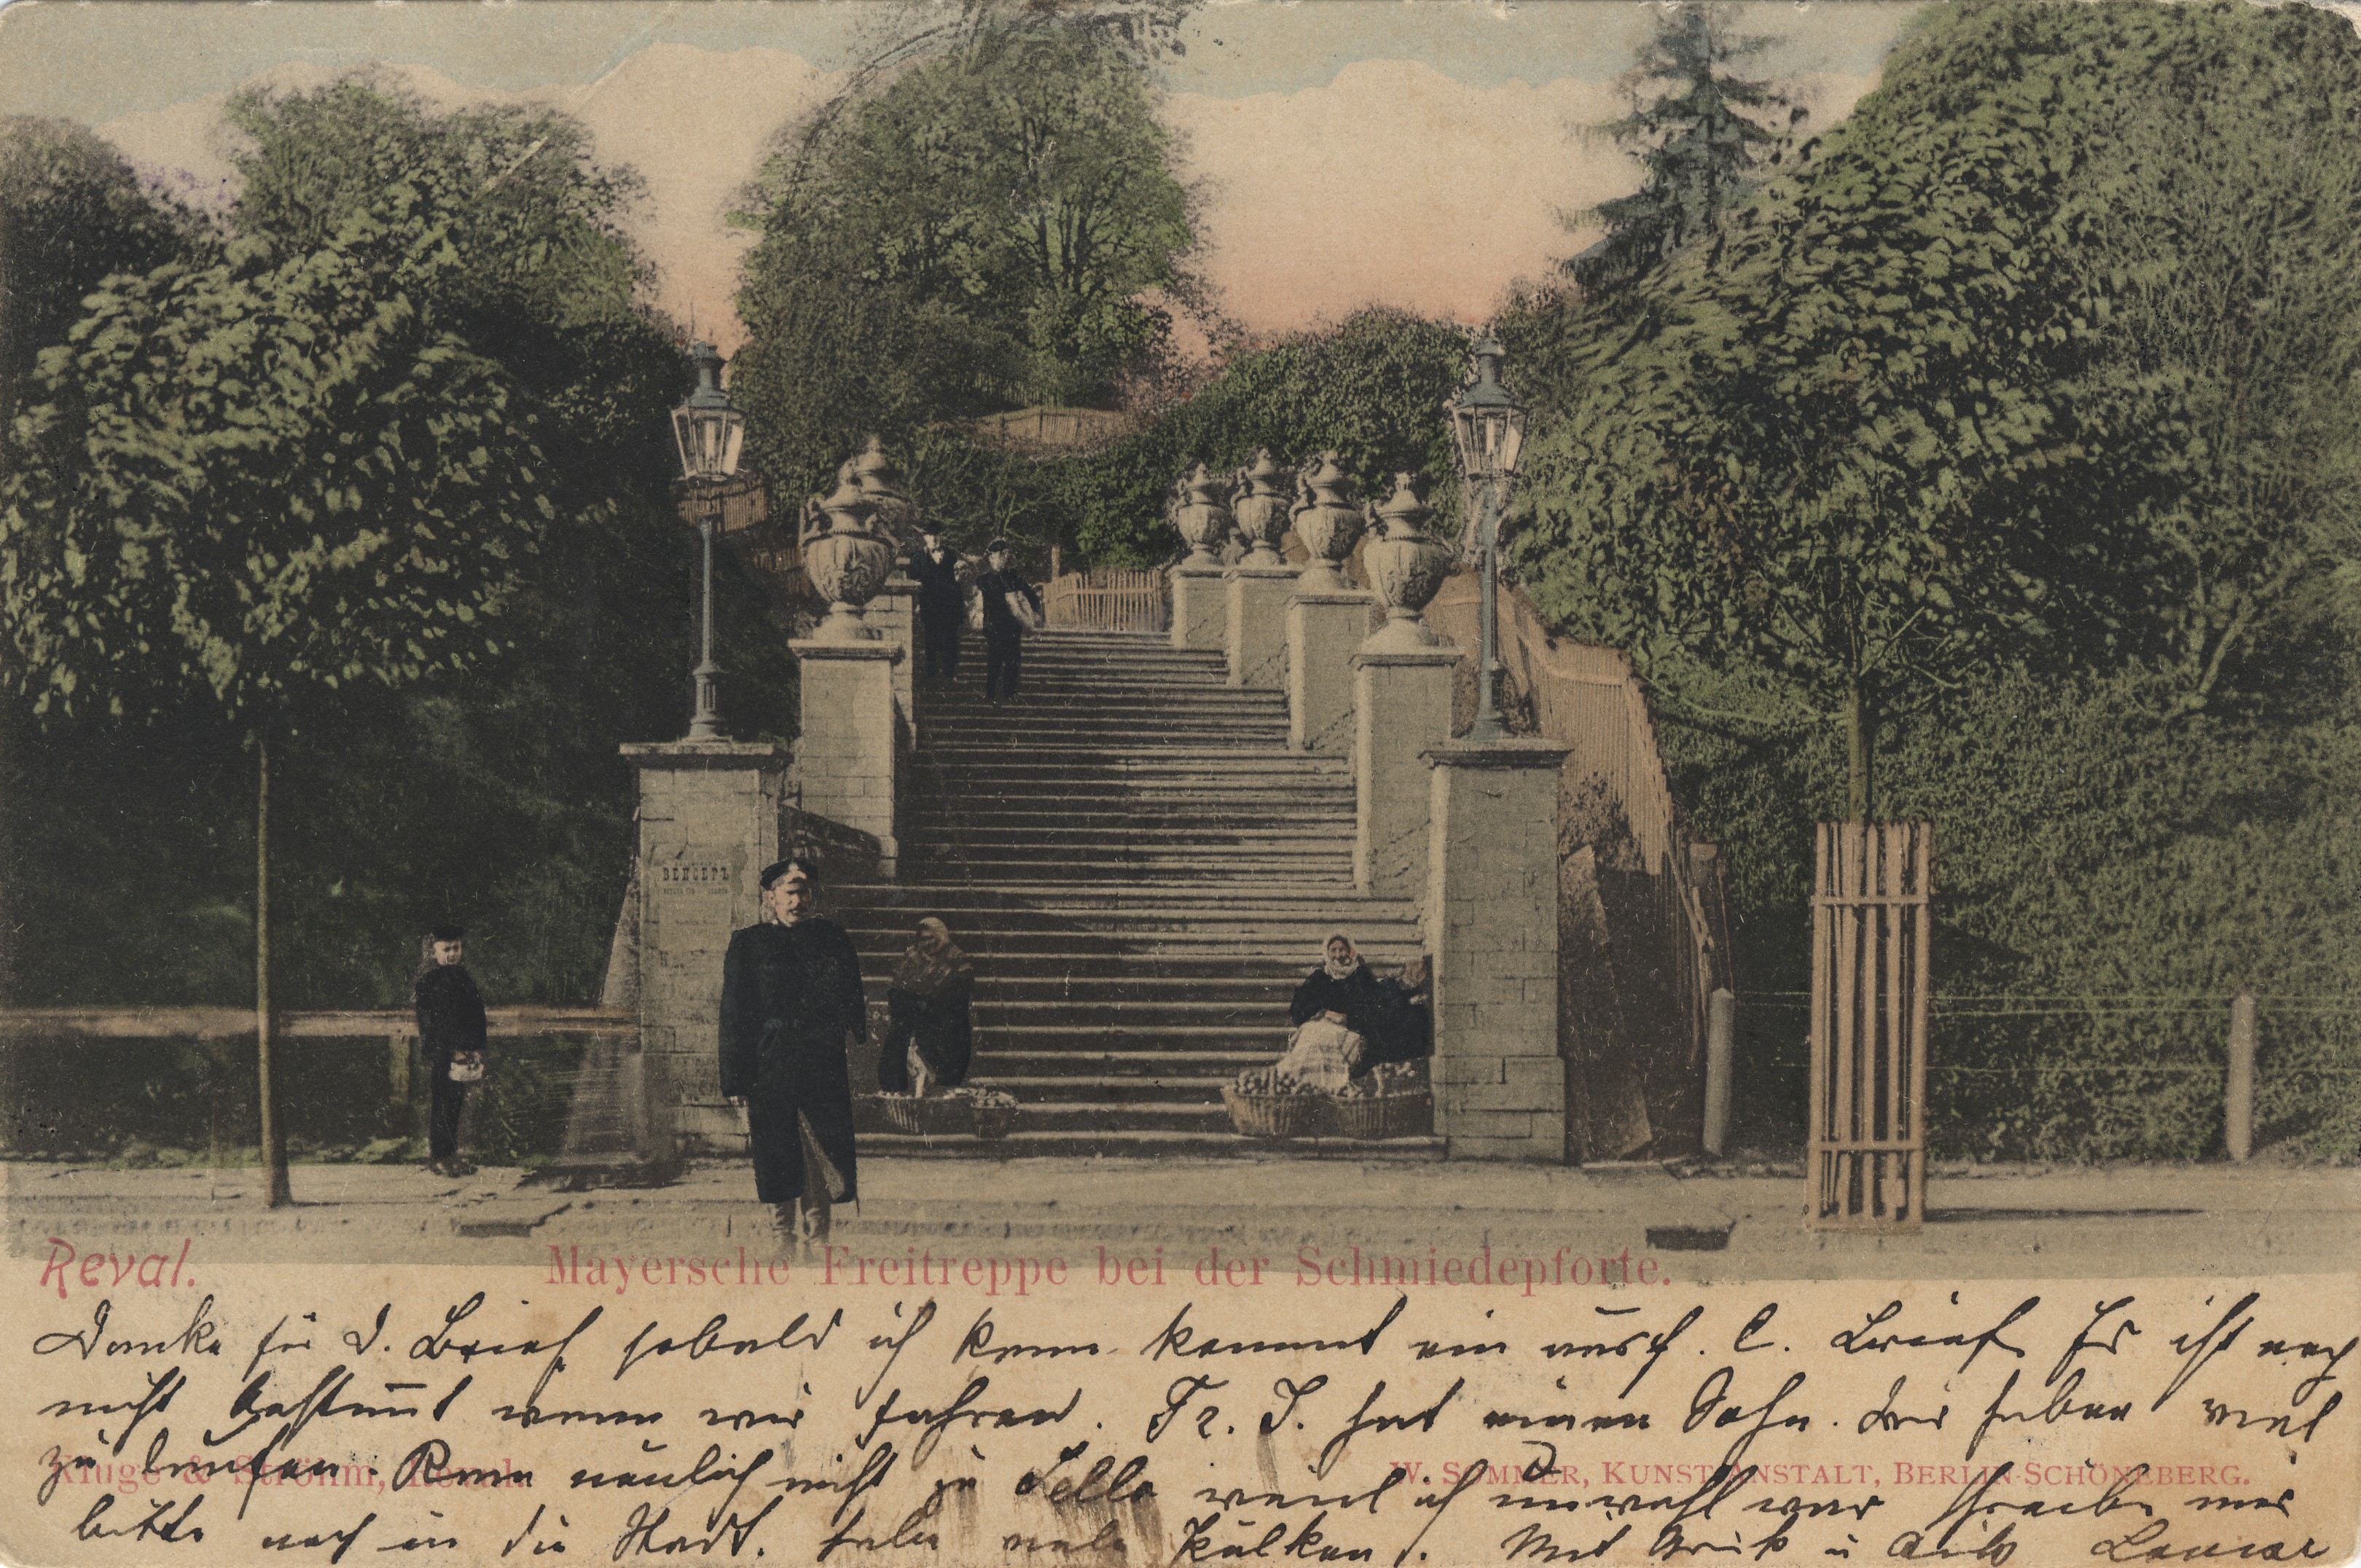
(1142, 871)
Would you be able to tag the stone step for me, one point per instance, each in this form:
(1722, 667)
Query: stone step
(1135, 816)
(983, 836)
(1105, 764)
(1125, 1117)
(1215, 798)
(1143, 1015)
(1069, 731)
(1021, 895)
(1146, 990)
(1099, 1087)
(1004, 958)
(1214, 1067)
(1213, 879)
(1174, 1043)
(1149, 1143)
(1275, 848)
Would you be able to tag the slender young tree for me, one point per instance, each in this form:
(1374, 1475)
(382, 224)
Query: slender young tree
(1699, 130)
(257, 482)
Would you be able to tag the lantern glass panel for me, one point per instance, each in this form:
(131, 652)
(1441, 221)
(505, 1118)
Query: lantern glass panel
(733, 437)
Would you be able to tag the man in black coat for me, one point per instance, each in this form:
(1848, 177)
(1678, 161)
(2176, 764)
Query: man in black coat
(1004, 633)
(790, 996)
(450, 1025)
(942, 605)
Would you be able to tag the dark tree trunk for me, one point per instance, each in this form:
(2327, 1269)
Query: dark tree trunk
(1861, 743)
(274, 1131)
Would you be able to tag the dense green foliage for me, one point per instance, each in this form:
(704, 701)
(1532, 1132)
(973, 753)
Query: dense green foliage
(1954, 395)
(2023, 411)
(1372, 388)
(469, 258)
(1696, 127)
(975, 234)
(74, 214)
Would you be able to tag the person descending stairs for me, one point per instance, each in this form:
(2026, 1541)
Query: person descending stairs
(1141, 870)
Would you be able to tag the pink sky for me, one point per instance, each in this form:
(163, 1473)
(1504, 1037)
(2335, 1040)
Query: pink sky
(1390, 183)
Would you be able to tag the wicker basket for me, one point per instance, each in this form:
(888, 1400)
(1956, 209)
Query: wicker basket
(993, 1122)
(928, 1118)
(1274, 1115)
(1386, 1116)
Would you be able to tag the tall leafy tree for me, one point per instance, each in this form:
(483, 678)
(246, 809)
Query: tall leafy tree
(260, 481)
(1966, 389)
(981, 231)
(1700, 133)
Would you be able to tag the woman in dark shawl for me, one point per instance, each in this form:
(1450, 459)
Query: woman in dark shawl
(927, 1014)
(1343, 991)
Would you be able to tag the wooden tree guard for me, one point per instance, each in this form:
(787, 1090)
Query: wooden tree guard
(1871, 929)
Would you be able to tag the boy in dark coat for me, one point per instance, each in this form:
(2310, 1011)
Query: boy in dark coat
(1004, 634)
(942, 605)
(450, 1025)
(790, 996)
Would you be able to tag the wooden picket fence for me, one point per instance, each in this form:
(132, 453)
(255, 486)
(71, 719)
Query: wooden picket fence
(1871, 929)
(1108, 600)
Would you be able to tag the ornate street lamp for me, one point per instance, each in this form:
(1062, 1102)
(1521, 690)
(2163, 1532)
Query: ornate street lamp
(1488, 428)
(709, 432)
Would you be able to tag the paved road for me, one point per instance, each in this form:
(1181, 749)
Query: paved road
(1996, 1222)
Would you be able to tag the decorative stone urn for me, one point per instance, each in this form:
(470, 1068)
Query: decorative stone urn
(1259, 505)
(893, 515)
(845, 559)
(1328, 518)
(1406, 566)
(1201, 511)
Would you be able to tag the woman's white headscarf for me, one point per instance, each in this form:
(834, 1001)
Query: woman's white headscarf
(1340, 969)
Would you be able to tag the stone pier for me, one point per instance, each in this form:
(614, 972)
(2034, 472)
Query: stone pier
(848, 760)
(1255, 634)
(709, 822)
(1201, 607)
(1491, 929)
(1323, 631)
(1402, 712)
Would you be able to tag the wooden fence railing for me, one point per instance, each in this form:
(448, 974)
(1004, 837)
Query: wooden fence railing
(378, 1024)
(1872, 920)
(1111, 600)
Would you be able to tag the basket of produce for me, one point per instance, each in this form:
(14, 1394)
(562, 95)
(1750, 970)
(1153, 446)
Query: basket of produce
(1266, 1104)
(995, 1111)
(1391, 1102)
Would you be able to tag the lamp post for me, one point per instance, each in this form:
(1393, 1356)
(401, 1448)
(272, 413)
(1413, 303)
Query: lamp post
(709, 431)
(1488, 429)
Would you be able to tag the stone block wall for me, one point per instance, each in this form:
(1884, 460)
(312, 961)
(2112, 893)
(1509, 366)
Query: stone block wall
(708, 823)
(1492, 931)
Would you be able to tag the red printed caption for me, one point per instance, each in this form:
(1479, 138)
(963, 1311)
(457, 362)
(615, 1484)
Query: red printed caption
(68, 1266)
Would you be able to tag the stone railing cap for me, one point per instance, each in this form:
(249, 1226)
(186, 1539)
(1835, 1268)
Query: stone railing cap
(1517, 752)
(1441, 653)
(703, 753)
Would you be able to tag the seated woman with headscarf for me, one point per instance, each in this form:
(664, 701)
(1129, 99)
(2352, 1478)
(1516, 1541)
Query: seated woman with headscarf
(928, 1035)
(1337, 1011)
